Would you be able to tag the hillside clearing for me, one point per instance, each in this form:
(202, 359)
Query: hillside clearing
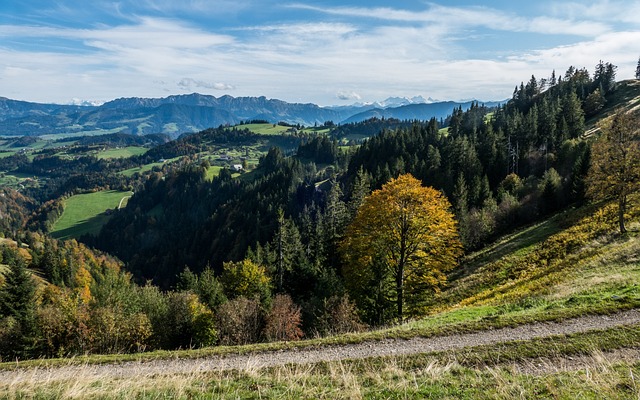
(84, 213)
(123, 152)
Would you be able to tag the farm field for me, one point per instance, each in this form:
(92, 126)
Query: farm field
(84, 213)
(147, 167)
(212, 172)
(265, 129)
(123, 152)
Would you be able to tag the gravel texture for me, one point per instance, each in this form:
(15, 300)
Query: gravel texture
(388, 347)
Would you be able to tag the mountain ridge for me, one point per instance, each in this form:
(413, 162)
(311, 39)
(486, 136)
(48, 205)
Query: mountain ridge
(186, 113)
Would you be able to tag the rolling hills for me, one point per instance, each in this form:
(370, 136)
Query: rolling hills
(174, 115)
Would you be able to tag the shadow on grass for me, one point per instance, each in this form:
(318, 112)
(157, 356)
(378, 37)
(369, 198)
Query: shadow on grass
(508, 245)
(89, 226)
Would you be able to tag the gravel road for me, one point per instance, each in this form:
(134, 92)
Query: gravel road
(388, 347)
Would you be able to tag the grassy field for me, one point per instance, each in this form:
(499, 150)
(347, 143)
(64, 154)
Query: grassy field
(271, 129)
(265, 129)
(147, 167)
(123, 152)
(535, 369)
(84, 213)
(212, 172)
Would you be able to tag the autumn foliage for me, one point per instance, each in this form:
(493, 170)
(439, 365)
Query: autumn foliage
(615, 163)
(398, 248)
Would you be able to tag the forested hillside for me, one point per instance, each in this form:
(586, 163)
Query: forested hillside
(281, 248)
(499, 167)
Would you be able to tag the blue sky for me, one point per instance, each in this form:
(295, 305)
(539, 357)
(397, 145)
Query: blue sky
(326, 52)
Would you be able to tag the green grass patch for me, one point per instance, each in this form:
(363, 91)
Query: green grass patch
(265, 129)
(86, 130)
(212, 172)
(84, 213)
(123, 152)
(147, 167)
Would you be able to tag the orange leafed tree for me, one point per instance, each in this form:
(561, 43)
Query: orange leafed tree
(398, 248)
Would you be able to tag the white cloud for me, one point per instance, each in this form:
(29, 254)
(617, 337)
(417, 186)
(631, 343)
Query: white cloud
(401, 54)
(456, 18)
(190, 83)
(346, 95)
(601, 10)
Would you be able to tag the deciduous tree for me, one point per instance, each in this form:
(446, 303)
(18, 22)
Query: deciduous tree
(398, 248)
(246, 278)
(615, 162)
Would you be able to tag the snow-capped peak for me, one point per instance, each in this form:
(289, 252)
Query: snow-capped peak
(84, 103)
(403, 101)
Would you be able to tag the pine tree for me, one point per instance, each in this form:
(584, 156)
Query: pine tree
(461, 196)
(335, 219)
(17, 309)
(16, 296)
(638, 70)
(361, 188)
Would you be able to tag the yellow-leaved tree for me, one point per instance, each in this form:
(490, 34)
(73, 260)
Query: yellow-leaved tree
(615, 162)
(398, 248)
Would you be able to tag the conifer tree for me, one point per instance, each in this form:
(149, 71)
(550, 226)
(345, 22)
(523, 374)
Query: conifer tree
(17, 308)
(16, 296)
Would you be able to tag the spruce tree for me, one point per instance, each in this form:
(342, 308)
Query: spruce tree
(17, 310)
(16, 296)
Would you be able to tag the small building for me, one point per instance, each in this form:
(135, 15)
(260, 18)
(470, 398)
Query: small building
(237, 167)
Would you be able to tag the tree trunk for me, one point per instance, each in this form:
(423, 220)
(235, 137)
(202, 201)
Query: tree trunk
(400, 290)
(622, 206)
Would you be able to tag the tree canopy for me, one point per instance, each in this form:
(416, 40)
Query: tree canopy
(398, 248)
(615, 162)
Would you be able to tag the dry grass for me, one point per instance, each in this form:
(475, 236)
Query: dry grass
(598, 377)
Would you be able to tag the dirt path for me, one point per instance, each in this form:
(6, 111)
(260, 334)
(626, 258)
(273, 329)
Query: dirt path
(389, 347)
(123, 199)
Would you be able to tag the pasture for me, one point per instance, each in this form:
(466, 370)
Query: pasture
(122, 152)
(84, 213)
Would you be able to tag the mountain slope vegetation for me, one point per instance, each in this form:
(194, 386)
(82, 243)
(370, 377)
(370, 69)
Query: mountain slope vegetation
(250, 252)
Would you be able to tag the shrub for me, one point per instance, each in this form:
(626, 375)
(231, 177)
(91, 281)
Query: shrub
(339, 315)
(283, 321)
(189, 322)
(246, 279)
(239, 321)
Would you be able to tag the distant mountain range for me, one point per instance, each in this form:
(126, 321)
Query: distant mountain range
(174, 115)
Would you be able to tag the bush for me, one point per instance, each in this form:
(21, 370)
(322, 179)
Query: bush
(114, 332)
(239, 321)
(246, 279)
(189, 322)
(339, 315)
(283, 321)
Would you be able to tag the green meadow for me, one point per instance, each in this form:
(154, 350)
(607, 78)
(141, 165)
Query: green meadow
(123, 152)
(84, 213)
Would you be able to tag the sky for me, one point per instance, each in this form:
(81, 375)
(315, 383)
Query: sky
(325, 52)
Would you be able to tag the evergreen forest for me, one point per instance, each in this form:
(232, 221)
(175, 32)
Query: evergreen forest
(281, 248)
